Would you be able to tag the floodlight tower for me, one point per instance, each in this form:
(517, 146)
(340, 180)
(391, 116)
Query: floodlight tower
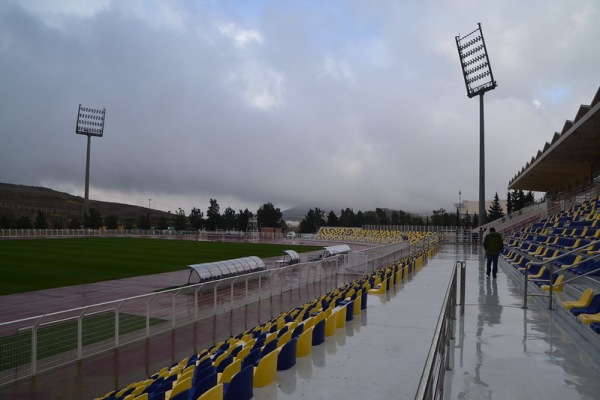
(90, 122)
(479, 79)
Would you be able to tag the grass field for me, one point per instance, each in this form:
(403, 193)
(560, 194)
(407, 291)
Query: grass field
(27, 265)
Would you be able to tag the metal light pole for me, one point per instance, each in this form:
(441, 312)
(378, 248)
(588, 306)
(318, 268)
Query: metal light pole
(479, 79)
(90, 122)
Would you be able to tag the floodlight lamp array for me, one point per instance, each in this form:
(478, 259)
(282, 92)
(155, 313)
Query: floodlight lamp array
(90, 121)
(475, 64)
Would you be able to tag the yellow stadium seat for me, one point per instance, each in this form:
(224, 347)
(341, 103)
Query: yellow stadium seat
(266, 370)
(583, 301)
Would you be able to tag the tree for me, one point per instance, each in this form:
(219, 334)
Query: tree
(93, 220)
(370, 218)
(7, 222)
(269, 216)
(382, 217)
(518, 200)
(145, 222)
(242, 218)
(180, 221)
(347, 218)
(229, 219)
(312, 221)
(495, 212)
(129, 223)
(529, 198)
(468, 222)
(112, 221)
(360, 219)
(509, 203)
(23, 222)
(162, 223)
(332, 219)
(74, 224)
(40, 221)
(196, 219)
(439, 217)
(213, 216)
(475, 220)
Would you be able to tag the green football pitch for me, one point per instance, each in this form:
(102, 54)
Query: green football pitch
(28, 265)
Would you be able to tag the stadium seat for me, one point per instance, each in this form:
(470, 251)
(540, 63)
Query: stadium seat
(286, 337)
(557, 285)
(241, 385)
(266, 370)
(269, 347)
(286, 358)
(379, 289)
(592, 308)
(304, 346)
(203, 385)
(340, 320)
(595, 326)
(330, 324)
(588, 318)
(253, 357)
(583, 301)
(215, 393)
(243, 353)
(229, 372)
(318, 335)
(298, 330)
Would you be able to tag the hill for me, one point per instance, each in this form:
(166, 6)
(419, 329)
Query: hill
(61, 208)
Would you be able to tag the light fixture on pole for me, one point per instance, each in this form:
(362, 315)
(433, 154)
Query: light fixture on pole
(479, 79)
(90, 122)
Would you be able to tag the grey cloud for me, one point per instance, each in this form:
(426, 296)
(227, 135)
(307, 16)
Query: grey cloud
(359, 105)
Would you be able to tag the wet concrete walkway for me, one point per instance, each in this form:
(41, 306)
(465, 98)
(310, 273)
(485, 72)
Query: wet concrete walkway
(503, 351)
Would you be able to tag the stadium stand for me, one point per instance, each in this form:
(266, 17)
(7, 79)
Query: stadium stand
(371, 236)
(234, 367)
(569, 241)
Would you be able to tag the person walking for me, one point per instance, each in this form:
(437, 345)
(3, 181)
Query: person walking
(493, 245)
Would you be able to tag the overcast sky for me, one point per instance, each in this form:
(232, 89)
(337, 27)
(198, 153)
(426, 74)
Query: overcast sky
(327, 104)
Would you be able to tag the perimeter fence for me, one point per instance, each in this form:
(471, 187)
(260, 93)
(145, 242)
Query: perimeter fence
(33, 345)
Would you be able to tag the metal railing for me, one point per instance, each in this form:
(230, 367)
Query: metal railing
(431, 385)
(551, 273)
(32, 345)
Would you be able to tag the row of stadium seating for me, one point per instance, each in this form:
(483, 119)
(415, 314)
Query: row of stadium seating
(575, 231)
(586, 309)
(370, 236)
(232, 368)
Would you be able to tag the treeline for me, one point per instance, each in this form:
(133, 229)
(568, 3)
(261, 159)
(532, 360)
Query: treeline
(268, 216)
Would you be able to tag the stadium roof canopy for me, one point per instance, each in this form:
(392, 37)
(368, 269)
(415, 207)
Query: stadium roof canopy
(570, 160)
(227, 268)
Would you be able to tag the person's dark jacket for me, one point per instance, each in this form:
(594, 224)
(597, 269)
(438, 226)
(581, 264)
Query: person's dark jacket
(493, 244)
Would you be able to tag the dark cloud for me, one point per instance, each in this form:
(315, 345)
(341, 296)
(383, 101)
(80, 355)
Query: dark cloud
(357, 104)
